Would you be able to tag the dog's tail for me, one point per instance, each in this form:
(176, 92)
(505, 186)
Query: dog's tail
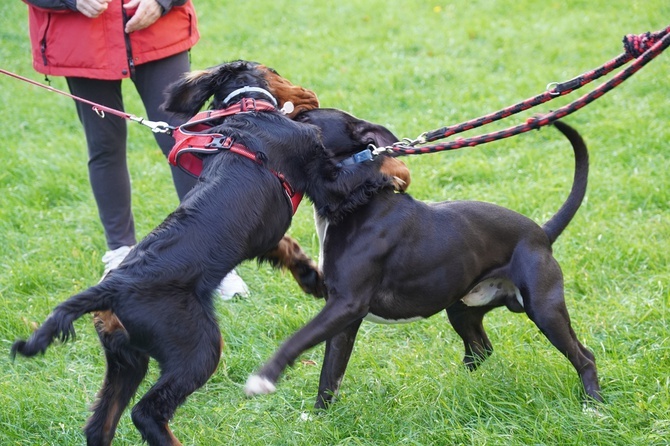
(556, 224)
(59, 323)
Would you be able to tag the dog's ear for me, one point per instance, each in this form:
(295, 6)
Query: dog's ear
(301, 98)
(366, 132)
(188, 95)
(369, 133)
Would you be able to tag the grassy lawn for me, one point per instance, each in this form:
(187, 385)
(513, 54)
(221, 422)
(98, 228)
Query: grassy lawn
(414, 66)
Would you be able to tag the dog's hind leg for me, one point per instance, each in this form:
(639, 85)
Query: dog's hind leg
(335, 360)
(544, 302)
(121, 382)
(126, 369)
(186, 369)
(468, 323)
(556, 327)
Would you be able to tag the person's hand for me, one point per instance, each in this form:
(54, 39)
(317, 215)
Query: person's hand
(92, 8)
(148, 11)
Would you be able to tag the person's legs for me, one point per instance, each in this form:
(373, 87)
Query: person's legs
(151, 79)
(107, 168)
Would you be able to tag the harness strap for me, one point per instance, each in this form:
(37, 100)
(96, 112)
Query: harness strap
(192, 143)
(192, 140)
(246, 105)
(295, 197)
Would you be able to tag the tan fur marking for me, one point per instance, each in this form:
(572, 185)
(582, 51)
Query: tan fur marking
(195, 75)
(173, 439)
(285, 91)
(397, 170)
(290, 255)
(107, 322)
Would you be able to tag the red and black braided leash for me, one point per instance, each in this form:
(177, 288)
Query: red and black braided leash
(641, 48)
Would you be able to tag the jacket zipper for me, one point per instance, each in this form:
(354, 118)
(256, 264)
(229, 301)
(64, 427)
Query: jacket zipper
(43, 42)
(129, 50)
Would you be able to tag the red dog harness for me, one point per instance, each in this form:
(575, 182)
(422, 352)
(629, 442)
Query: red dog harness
(192, 143)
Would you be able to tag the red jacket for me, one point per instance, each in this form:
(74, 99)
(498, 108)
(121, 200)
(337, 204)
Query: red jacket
(67, 43)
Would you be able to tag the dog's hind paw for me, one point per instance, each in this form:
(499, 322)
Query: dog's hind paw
(257, 385)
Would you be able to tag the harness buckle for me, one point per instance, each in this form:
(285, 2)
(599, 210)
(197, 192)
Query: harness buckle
(247, 105)
(220, 142)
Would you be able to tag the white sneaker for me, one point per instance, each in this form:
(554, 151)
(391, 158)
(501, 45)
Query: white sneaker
(232, 285)
(113, 259)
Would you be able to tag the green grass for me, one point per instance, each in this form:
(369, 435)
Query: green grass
(413, 66)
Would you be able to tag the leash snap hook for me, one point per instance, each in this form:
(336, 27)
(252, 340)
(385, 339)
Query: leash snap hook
(376, 151)
(552, 88)
(155, 126)
(99, 112)
(421, 139)
(161, 127)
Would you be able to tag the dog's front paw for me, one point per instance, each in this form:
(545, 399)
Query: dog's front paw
(310, 279)
(257, 385)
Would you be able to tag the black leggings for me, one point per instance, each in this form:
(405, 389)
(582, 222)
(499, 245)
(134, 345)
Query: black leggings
(106, 141)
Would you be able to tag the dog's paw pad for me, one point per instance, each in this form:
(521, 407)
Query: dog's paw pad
(257, 385)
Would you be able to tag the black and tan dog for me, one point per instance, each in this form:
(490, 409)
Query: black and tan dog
(396, 259)
(158, 303)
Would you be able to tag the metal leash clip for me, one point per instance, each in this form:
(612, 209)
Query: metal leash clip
(376, 151)
(404, 143)
(155, 126)
(421, 139)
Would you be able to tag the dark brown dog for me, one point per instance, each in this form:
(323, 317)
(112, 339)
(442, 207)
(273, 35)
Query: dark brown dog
(466, 257)
(159, 302)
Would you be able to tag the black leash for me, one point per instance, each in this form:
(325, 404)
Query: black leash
(641, 48)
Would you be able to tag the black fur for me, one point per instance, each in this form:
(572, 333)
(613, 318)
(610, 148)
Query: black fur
(159, 302)
(398, 258)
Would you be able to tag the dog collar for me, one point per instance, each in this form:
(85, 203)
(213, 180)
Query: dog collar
(360, 157)
(247, 89)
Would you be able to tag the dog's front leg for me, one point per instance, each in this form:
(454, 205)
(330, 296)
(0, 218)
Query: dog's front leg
(338, 314)
(289, 254)
(335, 360)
